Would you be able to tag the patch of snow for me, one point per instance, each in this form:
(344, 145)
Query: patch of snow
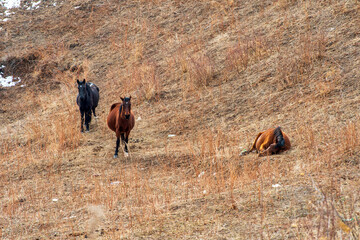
(55, 199)
(10, 3)
(8, 13)
(276, 185)
(34, 5)
(115, 183)
(8, 81)
(171, 135)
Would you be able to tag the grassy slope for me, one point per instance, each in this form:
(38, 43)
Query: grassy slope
(213, 73)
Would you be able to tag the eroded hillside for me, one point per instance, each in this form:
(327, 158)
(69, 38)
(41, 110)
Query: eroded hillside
(205, 77)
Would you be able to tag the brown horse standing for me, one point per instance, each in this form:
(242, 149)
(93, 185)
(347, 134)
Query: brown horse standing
(269, 142)
(121, 120)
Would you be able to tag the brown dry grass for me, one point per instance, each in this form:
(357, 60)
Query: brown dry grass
(212, 73)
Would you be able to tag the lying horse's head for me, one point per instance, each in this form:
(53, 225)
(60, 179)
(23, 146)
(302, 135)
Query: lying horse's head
(82, 89)
(126, 109)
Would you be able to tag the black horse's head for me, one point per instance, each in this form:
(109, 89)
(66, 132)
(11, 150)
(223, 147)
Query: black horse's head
(126, 106)
(82, 89)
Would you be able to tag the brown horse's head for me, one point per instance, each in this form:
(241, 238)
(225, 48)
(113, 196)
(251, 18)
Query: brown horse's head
(126, 107)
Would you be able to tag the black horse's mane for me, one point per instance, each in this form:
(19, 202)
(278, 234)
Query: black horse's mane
(280, 141)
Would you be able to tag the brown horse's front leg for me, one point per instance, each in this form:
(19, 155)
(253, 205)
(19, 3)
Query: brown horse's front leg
(117, 147)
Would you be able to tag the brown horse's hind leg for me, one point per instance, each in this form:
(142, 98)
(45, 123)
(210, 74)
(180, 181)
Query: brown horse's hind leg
(127, 141)
(124, 140)
(269, 151)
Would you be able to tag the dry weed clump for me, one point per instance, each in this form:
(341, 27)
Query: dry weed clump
(140, 81)
(349, 137)
(145, 81)
(56, 128)
(296, 66)
(333, 213)
(196, 70)
(285, 4)
(246, 52)
(201, 70)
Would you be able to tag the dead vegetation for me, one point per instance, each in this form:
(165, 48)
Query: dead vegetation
(204, 77)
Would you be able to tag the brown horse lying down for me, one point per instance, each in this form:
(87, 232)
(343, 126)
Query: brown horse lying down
(271, 141)
(121, 120)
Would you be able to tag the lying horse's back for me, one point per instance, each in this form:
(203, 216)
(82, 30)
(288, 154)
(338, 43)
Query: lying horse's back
(271, 141)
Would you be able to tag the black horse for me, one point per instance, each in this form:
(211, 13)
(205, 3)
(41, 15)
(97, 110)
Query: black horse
(87, 100)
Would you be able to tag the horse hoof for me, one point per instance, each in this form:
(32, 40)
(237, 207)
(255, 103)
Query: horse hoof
(126, 154)
(243, 153)
(115, 155)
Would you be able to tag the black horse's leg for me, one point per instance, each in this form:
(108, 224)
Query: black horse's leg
(87, 119)
(82, 120)
(117, 147)
(93, 109)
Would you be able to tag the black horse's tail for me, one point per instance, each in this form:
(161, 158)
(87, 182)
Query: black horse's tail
(280, 141)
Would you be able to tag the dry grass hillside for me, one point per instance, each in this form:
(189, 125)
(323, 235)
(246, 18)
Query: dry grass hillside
(212, 73)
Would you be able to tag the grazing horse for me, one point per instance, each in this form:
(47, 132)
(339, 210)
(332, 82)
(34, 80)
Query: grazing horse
(121, 120)
(271, 141)
(87, 100)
